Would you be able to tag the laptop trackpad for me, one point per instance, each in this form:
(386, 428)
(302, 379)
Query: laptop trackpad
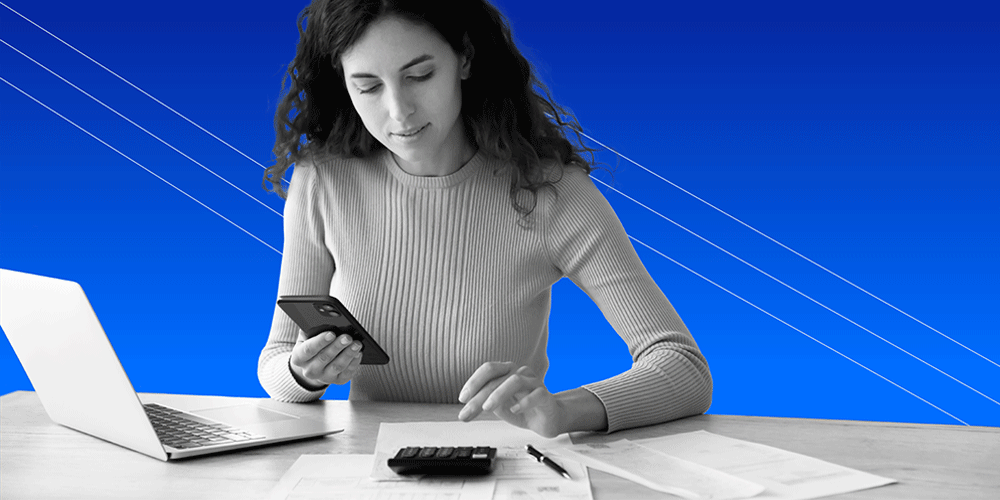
(244, 415)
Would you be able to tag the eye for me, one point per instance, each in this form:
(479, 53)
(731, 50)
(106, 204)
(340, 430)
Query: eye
(422, 78)
(417, 78)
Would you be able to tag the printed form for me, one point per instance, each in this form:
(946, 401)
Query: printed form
(345, 477)
(785, 475)
(660, 471)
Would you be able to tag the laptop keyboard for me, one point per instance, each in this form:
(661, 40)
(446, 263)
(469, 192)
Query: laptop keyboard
(183, 430)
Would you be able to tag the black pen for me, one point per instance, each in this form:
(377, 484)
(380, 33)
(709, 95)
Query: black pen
(547, 461)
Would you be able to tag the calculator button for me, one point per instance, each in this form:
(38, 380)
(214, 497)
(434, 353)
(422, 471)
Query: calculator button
(408, 452)
(464, 452)
(445, 452)
(428, 452)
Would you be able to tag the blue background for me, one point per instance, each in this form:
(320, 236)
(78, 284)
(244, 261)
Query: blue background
(863, 135)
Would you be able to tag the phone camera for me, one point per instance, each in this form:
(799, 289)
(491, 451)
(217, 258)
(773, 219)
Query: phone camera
(328, 310)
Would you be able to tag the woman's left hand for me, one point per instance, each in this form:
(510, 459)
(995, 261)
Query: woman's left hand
(515, 394)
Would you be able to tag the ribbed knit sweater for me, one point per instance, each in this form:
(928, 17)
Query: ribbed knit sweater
(441, 274)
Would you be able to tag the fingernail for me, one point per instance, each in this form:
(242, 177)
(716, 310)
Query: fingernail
(488, 406)
(328, 336)
(356, 347)
(515, 408)
(345, 340)
(463, 413)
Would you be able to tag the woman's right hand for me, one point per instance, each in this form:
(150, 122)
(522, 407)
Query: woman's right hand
(325, 359)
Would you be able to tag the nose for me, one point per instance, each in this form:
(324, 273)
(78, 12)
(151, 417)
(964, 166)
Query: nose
(399, 104)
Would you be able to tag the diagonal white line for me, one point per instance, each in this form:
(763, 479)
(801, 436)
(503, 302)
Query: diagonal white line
(727, 252)
(810, 337)
(634, 239)
(84, 92)
(135, 87)
(845, 280)
(140, 165)
(585, 135)
(581, 133)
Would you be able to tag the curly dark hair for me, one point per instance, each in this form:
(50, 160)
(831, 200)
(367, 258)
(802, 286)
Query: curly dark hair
(509, 111)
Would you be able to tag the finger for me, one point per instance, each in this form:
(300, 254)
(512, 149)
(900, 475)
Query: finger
(338, 354)
(534, 398)
(515, 387)
(330, 349)
(474, 407)
(333, 359)
(485, 373)
(307, 349)
(351, 370)
(348, 358)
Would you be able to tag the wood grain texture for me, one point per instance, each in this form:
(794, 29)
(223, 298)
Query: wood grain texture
(40, 459)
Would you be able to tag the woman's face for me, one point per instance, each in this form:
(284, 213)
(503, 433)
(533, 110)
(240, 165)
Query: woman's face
(405, 82)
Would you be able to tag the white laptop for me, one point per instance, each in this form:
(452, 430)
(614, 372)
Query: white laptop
(80, 382)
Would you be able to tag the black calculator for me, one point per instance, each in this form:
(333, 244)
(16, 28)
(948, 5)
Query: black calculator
(444, 460)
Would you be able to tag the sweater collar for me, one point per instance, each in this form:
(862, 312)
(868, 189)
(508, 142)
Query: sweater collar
(470, 168)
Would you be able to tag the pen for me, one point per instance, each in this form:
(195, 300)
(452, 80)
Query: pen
(547, 461)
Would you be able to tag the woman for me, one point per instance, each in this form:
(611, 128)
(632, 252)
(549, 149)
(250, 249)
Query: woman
(436, 198)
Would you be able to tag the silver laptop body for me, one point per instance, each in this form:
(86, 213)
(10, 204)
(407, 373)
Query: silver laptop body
(82, 385)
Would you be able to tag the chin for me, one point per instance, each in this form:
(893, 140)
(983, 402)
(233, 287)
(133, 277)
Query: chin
(411, 154)
(404, 154)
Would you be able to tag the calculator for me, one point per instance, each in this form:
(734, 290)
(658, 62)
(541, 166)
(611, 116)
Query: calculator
(444, 460)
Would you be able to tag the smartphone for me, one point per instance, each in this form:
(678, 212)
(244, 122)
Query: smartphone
(316, 314)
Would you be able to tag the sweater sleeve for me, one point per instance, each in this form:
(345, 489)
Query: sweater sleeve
(669, 377)
(306, 269)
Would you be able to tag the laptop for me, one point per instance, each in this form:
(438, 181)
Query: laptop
(82, 385)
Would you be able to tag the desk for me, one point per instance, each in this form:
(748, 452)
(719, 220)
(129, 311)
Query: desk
(39, 459)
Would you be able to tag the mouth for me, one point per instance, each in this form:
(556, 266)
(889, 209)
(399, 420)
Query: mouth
(411, 132)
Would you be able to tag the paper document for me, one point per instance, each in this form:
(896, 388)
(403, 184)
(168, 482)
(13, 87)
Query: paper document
(660, 471)
(345, 477)
(517, 475)
(785, 475)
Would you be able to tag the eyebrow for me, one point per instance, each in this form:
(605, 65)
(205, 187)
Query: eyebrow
(414, 62)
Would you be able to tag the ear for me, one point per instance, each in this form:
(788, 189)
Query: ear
(468, 52)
